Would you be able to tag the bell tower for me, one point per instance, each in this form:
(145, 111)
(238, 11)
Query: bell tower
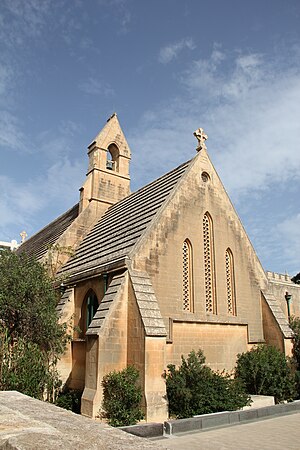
(107, 180)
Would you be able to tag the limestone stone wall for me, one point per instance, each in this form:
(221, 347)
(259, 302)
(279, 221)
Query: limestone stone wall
(279, 284)
(136, 336)
(30, 424)
(219, 342)
(106, 352)
(147, 354)
(64, 365)
(160, 255)
(105, 186)
(72, 364)
(155, 386)
(77, 376)
(272, 333)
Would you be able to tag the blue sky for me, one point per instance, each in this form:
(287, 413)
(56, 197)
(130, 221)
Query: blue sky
(166, 67)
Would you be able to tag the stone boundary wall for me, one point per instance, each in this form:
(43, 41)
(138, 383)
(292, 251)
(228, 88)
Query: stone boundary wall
(30, 424)
(207, 421)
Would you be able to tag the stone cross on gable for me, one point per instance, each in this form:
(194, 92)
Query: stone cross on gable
(23, 235)
(201, 138)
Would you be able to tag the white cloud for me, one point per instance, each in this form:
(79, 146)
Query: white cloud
(92, 86)
(11, 136)
(20, 202)
(23, 19)
(171, 51)
(20, 23)
(288, 233)
(119, 11)
(249, 105)
(5, 77)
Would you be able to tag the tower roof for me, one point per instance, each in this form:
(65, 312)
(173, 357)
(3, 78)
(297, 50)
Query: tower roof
(110, 134)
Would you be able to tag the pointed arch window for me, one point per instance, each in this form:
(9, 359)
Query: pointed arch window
(230, 283)
(187, 273)
(209, 265)
(89, 308)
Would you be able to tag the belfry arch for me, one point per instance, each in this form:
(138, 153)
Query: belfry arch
(113, 154)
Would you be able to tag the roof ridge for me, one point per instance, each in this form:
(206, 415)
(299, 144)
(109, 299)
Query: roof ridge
(108, 242)
(49, 226)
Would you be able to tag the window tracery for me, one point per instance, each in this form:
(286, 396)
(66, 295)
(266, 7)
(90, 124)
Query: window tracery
(209, 269)
(230, 285)
(187, 303)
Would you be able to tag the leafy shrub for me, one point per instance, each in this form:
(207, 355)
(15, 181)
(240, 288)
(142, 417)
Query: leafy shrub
(122, 397)
(194, 388)
(295, 326)
(31, 337)
(69, 399)
(25, 368)
(265, 370)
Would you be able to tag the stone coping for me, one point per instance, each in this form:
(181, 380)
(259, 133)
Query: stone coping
(208, 421)
(27, 424)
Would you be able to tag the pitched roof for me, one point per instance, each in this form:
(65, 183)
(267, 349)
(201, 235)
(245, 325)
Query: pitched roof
(39, 243)
(278, 314)
(147, 304)
(122, 225)
(106, 304)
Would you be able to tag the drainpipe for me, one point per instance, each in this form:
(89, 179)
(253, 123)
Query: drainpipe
(288, 298)
(105, 278)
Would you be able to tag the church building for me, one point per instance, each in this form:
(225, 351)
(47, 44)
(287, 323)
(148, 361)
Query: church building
(156, 273)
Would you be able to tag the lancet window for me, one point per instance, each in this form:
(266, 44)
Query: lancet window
(230, 285)
(209, 265)
(89, 308)
(187, 291)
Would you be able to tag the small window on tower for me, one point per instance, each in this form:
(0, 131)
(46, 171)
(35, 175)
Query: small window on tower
(112, 162)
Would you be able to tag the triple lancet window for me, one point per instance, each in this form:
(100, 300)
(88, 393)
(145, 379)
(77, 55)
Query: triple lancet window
(187, 273)
(209, 265)
(209, 273)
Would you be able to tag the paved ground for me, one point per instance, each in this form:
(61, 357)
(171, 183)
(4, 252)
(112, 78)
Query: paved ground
(278, 433)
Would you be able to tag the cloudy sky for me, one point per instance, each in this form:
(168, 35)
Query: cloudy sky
(166, 67)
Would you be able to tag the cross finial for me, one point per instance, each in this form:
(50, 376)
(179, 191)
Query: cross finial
(23, 235)
(201, 138)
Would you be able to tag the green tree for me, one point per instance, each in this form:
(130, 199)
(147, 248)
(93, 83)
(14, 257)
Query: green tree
(193, 388)
(31, 338)
(265, 370)
(295, 326)
(122, 397)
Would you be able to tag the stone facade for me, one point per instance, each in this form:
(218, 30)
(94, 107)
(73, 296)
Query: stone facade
(157, 273)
